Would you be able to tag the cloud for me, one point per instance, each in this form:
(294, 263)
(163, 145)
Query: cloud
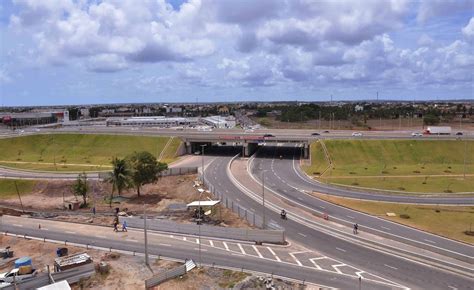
(4, 76)
(106, 63)
(468, 30)
(429, 9)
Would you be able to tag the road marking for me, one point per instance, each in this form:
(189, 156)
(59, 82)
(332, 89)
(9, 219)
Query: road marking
(452, 287)
(202, 250)
(273, 253)
(300, 198)
(99, 236)
(239, 255)
(241, 249)
(335, 267)
(45, 229)
(197, 241)
(342, 250)
(430, 241)
(315, 265)
(131, 240)
(225, 245)
(359, 274)
(258, 252)
(184, 238)
(385, 228)
(171, 236)
(302, 235)
(72, 233)
(211, 242)
(238, 199)
(322, 207)
(296, 260)
(351, 217)
(16, 225)
(252, 209)
(166, 245)
(391, 267)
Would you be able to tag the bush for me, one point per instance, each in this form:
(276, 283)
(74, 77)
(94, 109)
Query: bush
(416, 171)
(355, 183)
(404, 216)
(384, 172)
(448, 191)
(352, 172)
(401, 188)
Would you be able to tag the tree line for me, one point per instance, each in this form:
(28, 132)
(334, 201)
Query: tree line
(133, 171)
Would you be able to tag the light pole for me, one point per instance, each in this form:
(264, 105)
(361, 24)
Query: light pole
(202, 163)
(146, 236)
(199, 204)
(263, 198)
(465, 157)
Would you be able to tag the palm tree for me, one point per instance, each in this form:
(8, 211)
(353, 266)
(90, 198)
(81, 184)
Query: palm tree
(119, 177)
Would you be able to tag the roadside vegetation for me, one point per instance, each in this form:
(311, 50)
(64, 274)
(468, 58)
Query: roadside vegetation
(455, 222)
(79, 152)
(401, 165)
(9, 190)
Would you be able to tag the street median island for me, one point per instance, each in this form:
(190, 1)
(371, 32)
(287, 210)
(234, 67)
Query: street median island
(80, 152)
(424, 166)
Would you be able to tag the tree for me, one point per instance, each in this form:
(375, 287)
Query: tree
(119, 177)
(144, 169)
(80, 188)
(431, 119)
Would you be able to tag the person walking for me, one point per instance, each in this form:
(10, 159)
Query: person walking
(124, 226)
(115, 226)
(356, 228)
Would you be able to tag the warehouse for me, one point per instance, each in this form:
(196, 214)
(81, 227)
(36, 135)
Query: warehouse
(33, 118)
(158, 121)
(220, 122)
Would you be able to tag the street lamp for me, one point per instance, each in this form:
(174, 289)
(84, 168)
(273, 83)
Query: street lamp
(263, 199)
(202, 163)
(199, 204)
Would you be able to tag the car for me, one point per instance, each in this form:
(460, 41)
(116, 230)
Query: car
(326, 131)
(197, 153)
(315, 134)
(459, 134)
(356, 134)
(416, 134)
(268, 135)
(250, 130)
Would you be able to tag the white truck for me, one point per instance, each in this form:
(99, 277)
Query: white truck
(438, 130)
(14, 275)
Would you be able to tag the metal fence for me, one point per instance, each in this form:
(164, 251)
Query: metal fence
(174, 171)
(165, 275)
(253, 235)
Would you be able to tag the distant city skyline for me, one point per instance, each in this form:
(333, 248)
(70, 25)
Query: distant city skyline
(63, 52)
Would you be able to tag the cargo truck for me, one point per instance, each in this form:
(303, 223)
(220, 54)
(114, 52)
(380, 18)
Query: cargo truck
(438, 130)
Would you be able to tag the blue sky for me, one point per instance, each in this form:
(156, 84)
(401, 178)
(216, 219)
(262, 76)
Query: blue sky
(116, 51)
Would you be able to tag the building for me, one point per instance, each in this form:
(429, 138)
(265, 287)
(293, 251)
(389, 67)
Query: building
(159, 121)
(220, 122)
(33, 118)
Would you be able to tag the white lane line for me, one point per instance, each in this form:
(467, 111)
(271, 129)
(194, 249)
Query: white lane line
(388, 229)
(184, 238)
(273, 253)
(430, 241)
(171, 236)
(132, 240)
(17, 225)
(239, 255)
(322, 207)
(391, 267)
(44, 229)
(359, 274)
(197, 241)
(302, 235)
(166, 245)
(225, 245)
(237, 199)
(72, 233)
(211, 243)
(241, 249)
(300, 198)
(315, 264)
(452, 287)
(258, 252)
(296, 260)
(351, 217)
(203, 250)
(342, 250)
(335, 267)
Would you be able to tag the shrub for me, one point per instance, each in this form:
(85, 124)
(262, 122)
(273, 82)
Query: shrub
(384, 172)
(404, 216)
(416, 171)
(401, 188)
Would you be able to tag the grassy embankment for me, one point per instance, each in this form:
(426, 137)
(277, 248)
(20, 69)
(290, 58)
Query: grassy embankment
(78, 152)
(401, 165)
(448, 221)
(8, 190)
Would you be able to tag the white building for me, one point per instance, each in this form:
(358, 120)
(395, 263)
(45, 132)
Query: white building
(159, 121)
(220, 122)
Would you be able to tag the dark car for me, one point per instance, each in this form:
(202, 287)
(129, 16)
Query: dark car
(315, 134)
(326, 131)
(459, 134)
(268, 135)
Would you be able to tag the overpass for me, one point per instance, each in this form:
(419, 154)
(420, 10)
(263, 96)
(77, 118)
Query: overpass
(249, 143)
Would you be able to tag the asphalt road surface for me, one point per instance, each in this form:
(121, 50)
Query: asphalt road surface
(400, 270)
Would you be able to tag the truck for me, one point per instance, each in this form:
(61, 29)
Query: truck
(16, 276)
(438, 130)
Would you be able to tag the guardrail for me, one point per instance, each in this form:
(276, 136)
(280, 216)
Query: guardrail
(43, 279)
(165, 275)
(253, 235)
(174, 171)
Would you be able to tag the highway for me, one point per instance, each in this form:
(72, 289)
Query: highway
(398, 269)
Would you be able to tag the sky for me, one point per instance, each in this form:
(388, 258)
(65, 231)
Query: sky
(55, 52)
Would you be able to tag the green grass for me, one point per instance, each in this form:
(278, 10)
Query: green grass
(448, 221)
(354, 159)
(76, 152)
(8, 190)
(170, 153)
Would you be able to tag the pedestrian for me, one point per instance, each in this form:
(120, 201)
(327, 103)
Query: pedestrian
(93, 210)
(115, 226)
(124, 226)
(356, 227)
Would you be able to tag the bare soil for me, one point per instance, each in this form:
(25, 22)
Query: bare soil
(47, 197)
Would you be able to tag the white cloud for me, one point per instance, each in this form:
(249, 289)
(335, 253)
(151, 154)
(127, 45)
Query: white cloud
(429, 9)
(468, 30)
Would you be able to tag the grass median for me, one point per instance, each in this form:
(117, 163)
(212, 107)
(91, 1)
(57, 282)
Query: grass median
(405, 165)
(453, 222)
(8, 189)
(78, 152)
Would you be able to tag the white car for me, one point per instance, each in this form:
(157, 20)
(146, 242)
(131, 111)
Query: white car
(356, 134)
(249, 130)
(416, 134)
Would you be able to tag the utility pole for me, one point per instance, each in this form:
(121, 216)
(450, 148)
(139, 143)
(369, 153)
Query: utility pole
(19, 197)
(263, 198)
(199, 229)
(319, 119)
(202, 163)
(465, 157)
(146, 236)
